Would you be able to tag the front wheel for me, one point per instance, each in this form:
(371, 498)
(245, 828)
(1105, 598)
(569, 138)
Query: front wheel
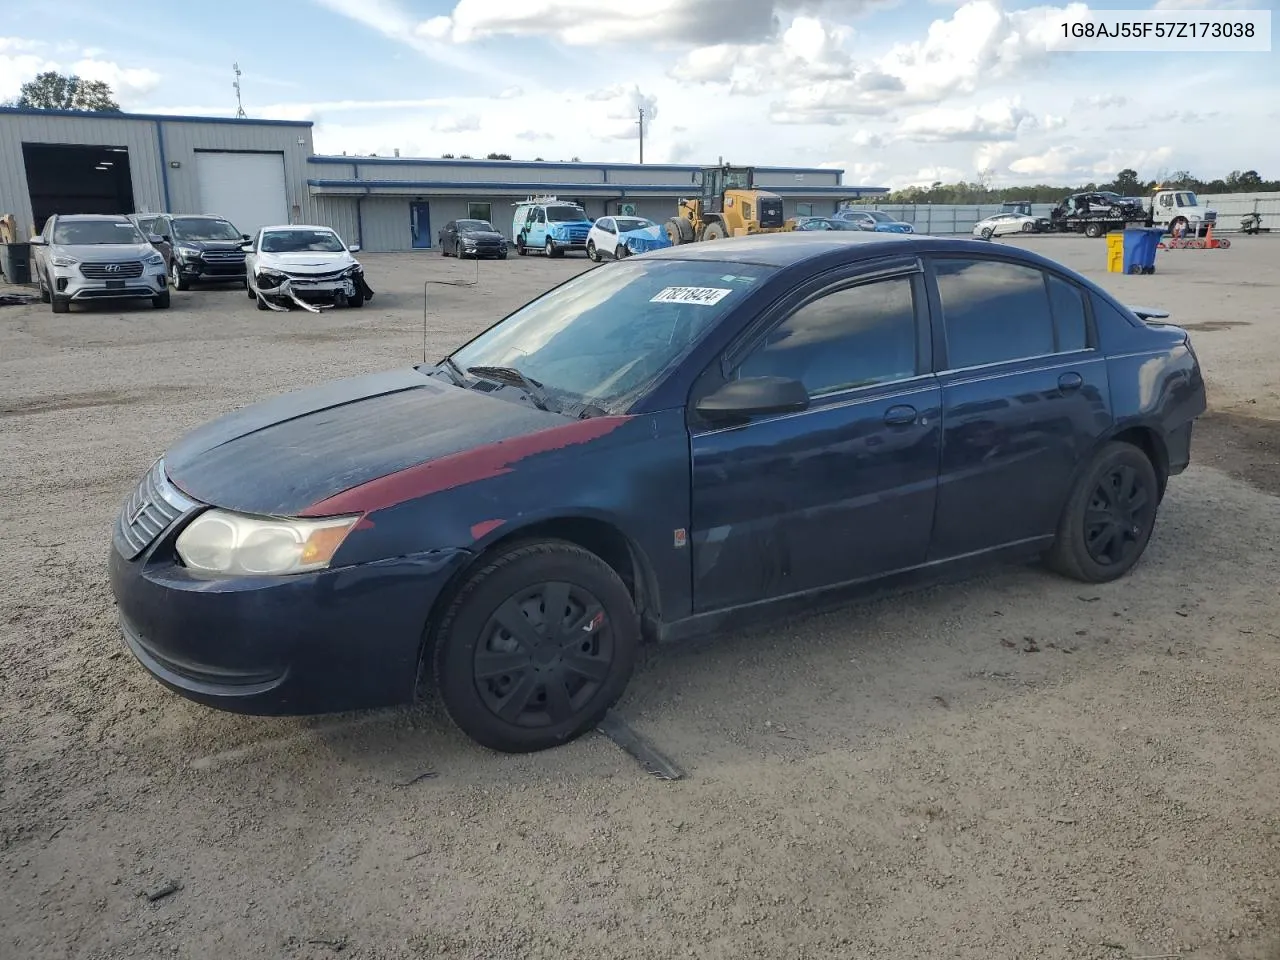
(536, 647)
(988, 233)
(1109, 517)
(1028, 226)
(592, 253)
(552, 251)
(1093, 230)
(176, 278)
(161, 302)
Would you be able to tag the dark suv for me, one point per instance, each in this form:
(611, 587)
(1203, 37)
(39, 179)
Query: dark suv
(205, 248)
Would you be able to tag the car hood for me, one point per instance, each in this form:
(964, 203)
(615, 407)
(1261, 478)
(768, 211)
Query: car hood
(480, 235)
(229, 245)
(645, 233)
(91, 252)
(310, 262)
(280, 456)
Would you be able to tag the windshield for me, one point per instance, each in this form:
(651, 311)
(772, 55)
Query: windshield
(1186, 199)
(880, 216)
(737, 180)
(474, 225)
(565, 214)
(633, 223)
(200, 228)
(605, 335)
(301, 241)
(75, 232)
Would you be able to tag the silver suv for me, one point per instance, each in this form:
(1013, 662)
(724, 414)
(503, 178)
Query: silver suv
(81, 257)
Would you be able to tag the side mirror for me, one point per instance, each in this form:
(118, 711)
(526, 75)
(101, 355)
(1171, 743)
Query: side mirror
(247, 247)
(36, 241)
(353, 247)
(245, 237)
(753, 396)
(154, 238)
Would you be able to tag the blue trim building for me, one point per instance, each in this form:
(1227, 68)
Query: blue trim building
(266, 171)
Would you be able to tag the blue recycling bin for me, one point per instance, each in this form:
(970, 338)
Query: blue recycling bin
(1140, 248)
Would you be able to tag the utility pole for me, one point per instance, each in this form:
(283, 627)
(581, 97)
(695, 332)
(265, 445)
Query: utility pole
(240, 114)
(640, 123)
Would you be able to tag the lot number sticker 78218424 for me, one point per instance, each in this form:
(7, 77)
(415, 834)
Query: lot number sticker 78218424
(706, 296)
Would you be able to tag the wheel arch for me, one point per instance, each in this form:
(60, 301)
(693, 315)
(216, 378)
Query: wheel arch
(1142, 435)
(595, 534)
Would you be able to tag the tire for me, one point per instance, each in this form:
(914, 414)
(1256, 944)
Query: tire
(262, 304)
(1177, 223)
(552, 251)
(176, 278)
(620, 252)
(249, 291)
(1028, 227)
(1225, 244)
(521, 249)
(679, 230)
(713, 231)
(502, 255)
(592, 253)
(356, 300)
(470, 627)
(161, 302)
(988, 233)
(60, 304)
(444, 248)
(45, 296)
(1117, 466)
(1093, 230)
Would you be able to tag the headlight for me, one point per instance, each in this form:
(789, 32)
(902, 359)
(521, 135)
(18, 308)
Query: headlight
(188, 252)
(154, 259)
(271, 278)
(232, 544)
(64, 261)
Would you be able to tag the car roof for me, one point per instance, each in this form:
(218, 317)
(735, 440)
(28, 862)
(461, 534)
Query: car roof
(296, 226)
(798, 247)
(81, 217)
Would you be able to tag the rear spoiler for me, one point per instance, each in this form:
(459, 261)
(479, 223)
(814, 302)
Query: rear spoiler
(1149, 313)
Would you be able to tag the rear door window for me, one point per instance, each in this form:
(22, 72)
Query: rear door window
(993, 311)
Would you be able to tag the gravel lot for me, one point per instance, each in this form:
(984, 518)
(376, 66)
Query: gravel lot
(1012, 766)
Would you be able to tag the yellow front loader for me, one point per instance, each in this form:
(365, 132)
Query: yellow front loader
(729, 206)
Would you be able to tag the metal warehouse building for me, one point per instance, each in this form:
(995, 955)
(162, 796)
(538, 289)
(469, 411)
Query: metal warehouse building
(259, 172)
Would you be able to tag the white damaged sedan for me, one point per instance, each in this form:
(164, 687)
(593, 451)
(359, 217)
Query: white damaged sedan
(308, 266)
(1005, 223)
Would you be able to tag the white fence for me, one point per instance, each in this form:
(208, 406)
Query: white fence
(952, 218)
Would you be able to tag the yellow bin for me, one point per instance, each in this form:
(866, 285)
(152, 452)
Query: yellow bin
(1115, 252)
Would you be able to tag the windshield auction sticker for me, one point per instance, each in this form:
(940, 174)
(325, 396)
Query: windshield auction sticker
(706, 296)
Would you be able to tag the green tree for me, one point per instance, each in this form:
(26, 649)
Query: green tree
(1126, 183)
(54, 91)
(498, 156)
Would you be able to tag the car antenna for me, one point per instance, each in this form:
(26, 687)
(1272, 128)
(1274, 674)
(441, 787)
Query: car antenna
(442, 283)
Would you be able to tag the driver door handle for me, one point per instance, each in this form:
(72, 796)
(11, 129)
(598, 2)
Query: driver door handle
(1070, 382)
(900, 415)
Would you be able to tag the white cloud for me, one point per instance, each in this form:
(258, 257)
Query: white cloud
(457, 124)
(20, 45)
(128, 83)
(595, 23)
(1101, 101)
(510, 93)
(1072, 163)
(997, 120)
(391, 20)
(820, 81)
(1205, 5)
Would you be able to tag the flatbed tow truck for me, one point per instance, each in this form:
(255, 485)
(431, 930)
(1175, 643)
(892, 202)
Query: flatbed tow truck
(1099, 212)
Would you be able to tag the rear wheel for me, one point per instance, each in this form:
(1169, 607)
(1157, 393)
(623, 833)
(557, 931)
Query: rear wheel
(1093, 230)
(536, 647)
(1109, 517)
(521, 249)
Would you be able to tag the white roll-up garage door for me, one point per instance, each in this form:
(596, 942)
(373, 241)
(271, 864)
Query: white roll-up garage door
(246, 188)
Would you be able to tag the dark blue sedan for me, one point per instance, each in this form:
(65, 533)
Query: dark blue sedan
(641, 453)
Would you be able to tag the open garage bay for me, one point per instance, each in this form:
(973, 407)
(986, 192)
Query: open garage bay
(1012, 766)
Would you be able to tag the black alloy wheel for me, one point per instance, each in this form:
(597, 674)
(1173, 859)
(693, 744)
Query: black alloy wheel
(1109, 517)
(536, 647)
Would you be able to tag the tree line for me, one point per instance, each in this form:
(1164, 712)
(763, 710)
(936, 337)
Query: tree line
(1126, 183)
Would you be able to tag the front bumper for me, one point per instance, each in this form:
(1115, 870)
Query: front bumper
(334, 640)
(199, 269)
(76, 288)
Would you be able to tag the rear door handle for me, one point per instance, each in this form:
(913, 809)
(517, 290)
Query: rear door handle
(1070, 382)
(900, 415)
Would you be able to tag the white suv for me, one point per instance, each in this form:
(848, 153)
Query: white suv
(82, 257)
